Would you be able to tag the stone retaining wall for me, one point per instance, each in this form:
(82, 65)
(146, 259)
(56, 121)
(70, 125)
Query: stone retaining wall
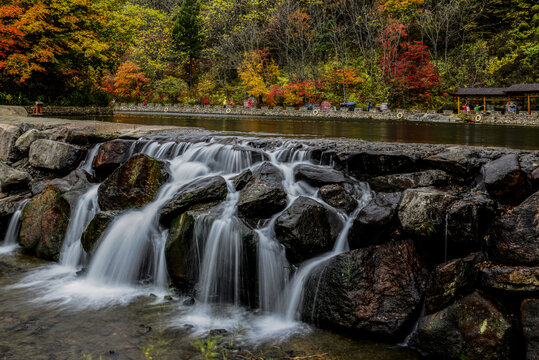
(358, 113)
(72, 110)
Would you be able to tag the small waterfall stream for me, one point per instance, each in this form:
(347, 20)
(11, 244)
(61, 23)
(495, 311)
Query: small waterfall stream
(12, 233)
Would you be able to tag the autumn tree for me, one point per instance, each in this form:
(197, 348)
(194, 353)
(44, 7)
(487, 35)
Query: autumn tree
(258, 72)
(129, 82)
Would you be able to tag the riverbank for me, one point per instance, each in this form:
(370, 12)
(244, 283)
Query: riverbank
(490, 118)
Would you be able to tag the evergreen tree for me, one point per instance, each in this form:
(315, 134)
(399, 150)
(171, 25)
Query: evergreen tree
(187, 35)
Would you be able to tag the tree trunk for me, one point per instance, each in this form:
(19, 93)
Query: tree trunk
(190, 73)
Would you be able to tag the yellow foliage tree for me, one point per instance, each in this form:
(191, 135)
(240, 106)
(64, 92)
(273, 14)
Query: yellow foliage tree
(258, 71)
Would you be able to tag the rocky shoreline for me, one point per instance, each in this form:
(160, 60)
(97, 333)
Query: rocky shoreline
(449, 239)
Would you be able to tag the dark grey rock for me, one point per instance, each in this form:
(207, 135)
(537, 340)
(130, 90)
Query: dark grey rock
(337, 196)
(12, 179)
(307, 228)
(318, 176)
(53, 155)
(8, 136)
(530, 318)
(401, 182)
(504, 180)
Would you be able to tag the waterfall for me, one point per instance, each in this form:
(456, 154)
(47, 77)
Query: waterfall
(292, 301)
(72, 253)
(10, 239)
(132, 248)
(86, 165)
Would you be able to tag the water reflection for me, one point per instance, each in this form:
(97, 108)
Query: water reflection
(517, 137)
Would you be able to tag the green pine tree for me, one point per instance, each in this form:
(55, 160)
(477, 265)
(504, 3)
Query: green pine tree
(187, 35)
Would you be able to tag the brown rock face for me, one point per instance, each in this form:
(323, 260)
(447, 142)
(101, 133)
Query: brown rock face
(337, 196)
(133, 185)
(374, 290)
(44, 223)
(514, 237)
(109, 156)
(472, 327)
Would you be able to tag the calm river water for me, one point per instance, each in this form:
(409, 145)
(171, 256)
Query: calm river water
(517, 137)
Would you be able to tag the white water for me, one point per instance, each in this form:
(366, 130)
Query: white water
(12, 234)
(86, 165)
(73, 254)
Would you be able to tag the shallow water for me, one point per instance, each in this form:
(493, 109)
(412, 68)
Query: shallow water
(518, 137)
(33, 328)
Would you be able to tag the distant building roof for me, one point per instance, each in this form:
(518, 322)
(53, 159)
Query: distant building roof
(513, 89)
(480, 92)
(522, 88)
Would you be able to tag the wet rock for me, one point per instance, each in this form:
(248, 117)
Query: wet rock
(517, 279)
(401, 182)
(203, 191)
(422, 211)
(379, 163)
(374, 290)
(133, 185)
(73, 185)
(457, 160)
(25, 140)
(472, 327)
(529, 311)
(375, 221)
(337, 196)
(96, 229)
(451, 281)
(504, 180)
(189, 301)
(8, 206)
(513, 240)
(242, 179)
(264, 194)
(307, 228)
(53, 155)
(44, 222)
(110, 156)
(468, 220)
(534, 178)
(318, 176)
(12, 179)
(8, 136)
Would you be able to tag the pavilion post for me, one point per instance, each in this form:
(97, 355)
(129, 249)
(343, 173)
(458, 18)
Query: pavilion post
(484, 103)
(529, 105)
(458, 105)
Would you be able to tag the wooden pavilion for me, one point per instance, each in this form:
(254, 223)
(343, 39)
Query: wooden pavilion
(484, 95)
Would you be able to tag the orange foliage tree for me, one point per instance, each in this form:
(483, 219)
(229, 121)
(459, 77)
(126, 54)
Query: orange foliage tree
(129, 83)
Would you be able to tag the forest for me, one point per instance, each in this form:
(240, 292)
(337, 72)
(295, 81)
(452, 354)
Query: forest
(409, 53)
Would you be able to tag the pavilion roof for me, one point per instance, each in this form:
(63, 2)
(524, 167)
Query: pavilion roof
(523, 88)
(513, 89)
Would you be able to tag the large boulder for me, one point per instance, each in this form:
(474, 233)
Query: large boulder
(458, 161)
(25, 140)
(54, 155)
(110, 156)
(529, 311)
(12, 179)
(401, 182)
(468, 220)
(514, 236)
(8, 136)
(186, 244)
(307, 228)
(96, 229)
(375, 290)
(472, 328)
(8, 206)
(72, 186)
(374, 221)
(337, 196)
(44, 222)
(504, 180)
(202, 191)
(317, 175)
(512, 279)
(374, 163)
(451, 281)
(263, 195)
(534, 179)
(422, 212)
(133, 185)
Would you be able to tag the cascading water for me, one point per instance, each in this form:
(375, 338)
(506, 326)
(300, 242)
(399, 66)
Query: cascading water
(86, 165)
(72, 253)
(12, 233)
